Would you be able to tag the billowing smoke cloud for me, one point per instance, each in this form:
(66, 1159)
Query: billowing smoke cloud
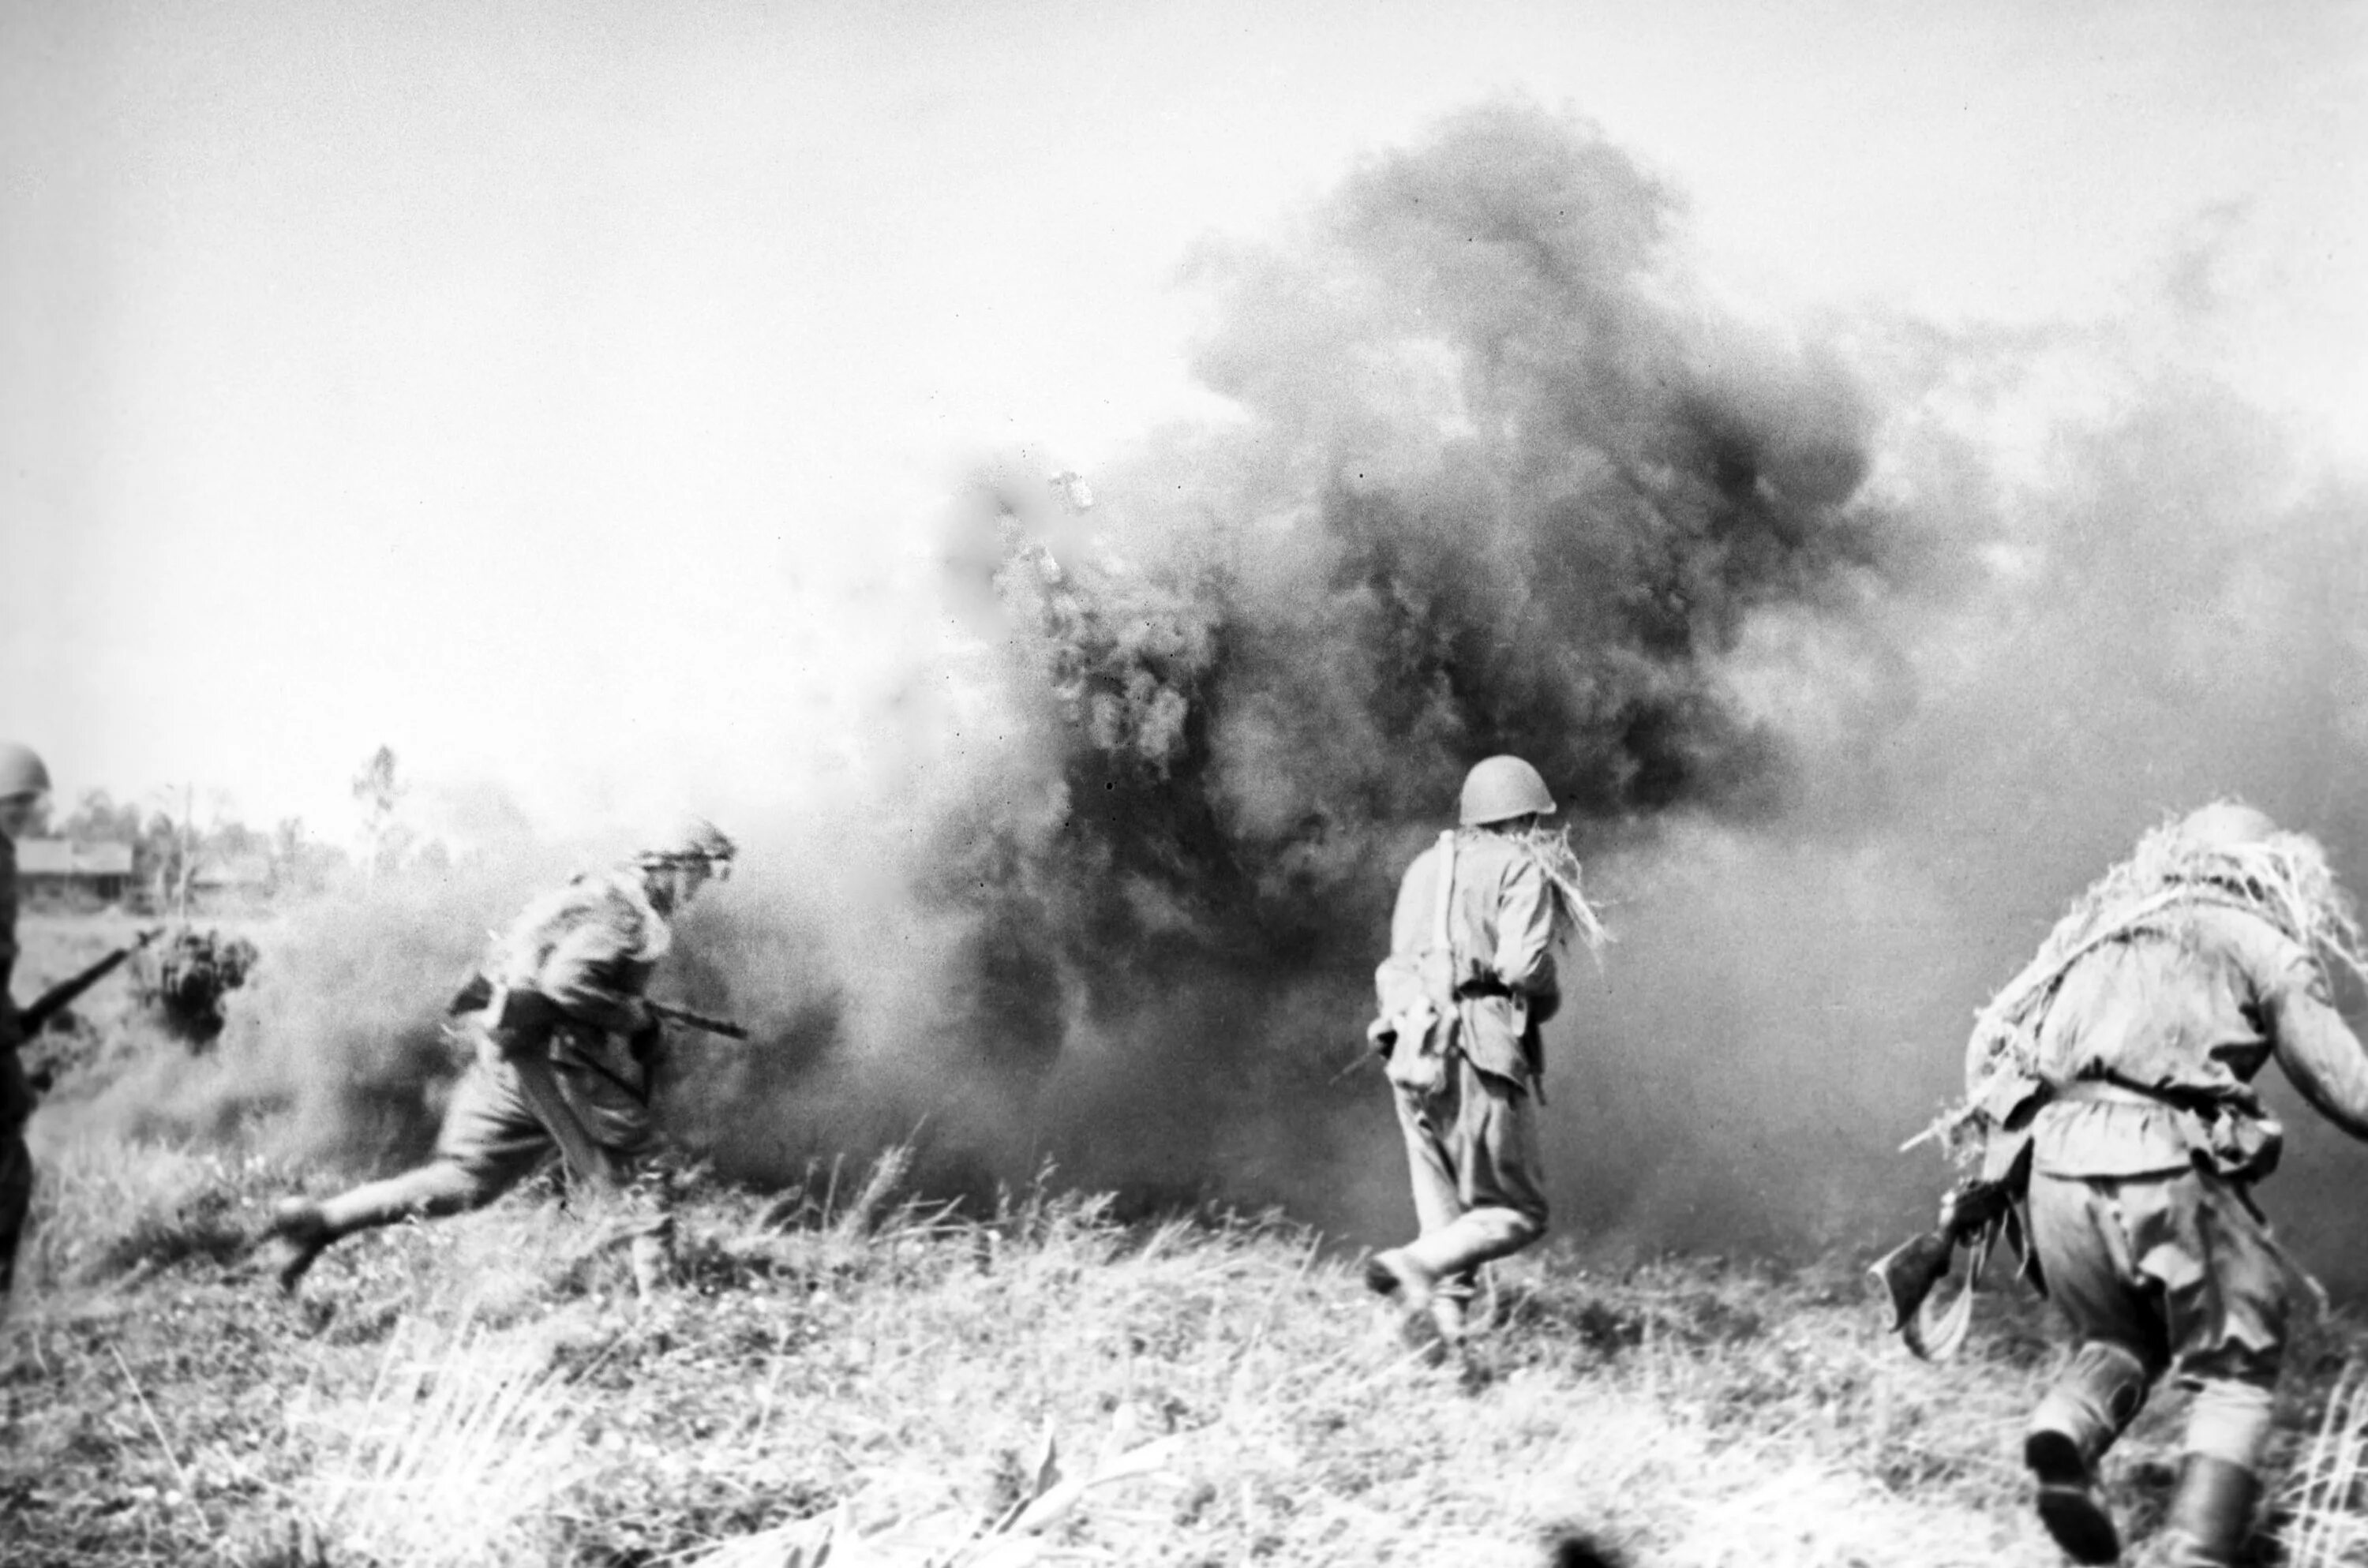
(1846, 679)
(1498, 481)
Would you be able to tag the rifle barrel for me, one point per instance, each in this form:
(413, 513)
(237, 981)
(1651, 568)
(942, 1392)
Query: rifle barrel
(57, 997)
(689, 1019)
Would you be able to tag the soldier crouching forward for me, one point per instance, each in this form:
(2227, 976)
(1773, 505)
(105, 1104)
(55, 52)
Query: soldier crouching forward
(564, 1054)
(1469, 980)
(2117, 1070)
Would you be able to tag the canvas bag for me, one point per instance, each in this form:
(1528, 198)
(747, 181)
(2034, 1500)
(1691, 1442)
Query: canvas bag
(1416, 1032)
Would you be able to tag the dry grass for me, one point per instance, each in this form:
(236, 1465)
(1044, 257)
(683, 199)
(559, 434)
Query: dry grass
(845, 1366)
(2326, 1493)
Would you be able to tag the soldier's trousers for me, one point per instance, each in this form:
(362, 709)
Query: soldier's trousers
(1479, 1191)
(492, 1139)
(2162, 1273)
(16, 1198)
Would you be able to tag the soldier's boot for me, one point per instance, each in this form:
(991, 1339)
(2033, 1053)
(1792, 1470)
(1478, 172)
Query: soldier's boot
(1414, 1290)
(2228, 1425)
(1402, 1279)
(2210, 1515)
(300, 1233)
(2069, 1502)
(2097, 1396)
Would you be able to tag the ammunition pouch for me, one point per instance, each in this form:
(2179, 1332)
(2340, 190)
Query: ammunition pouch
(1420, 1023)
(2232, 1145)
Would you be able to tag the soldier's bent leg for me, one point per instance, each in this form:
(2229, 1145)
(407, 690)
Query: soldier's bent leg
(2225, 1296)
(2079, 1229)
(1499, 1185)
(429, 1191)
(2088, 1406)
(490, 1140)
(1427, 1122)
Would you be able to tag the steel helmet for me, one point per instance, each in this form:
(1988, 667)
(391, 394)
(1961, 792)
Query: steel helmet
(1501, 786)
(21, 772)
(2225, 824)
(693, 839)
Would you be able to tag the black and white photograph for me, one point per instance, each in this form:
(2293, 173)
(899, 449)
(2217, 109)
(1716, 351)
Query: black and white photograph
(1033, 785)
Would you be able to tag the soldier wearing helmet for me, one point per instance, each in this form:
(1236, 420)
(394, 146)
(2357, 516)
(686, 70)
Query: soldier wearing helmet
(565, 1055)
(2120, 1065)
(1470, 979)
(24, 784)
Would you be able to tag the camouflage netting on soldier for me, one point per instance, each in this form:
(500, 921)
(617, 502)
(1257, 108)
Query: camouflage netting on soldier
(183, 981)
(2283, 879)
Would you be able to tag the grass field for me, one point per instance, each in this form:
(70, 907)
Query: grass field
(843, 1366)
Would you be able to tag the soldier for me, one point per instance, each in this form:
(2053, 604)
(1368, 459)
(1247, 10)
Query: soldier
(1470, 979)
(23, 783)
(2119, 1064)
(565, 1047)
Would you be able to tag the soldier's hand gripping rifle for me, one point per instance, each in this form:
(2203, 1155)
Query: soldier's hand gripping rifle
(479, 990)
(58, 997)
(1974, 1214)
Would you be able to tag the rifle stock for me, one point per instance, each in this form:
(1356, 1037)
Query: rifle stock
(1911, 1271)
(1972, 1215)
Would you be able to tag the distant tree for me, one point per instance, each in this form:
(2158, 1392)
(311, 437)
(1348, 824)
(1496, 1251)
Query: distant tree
(380, 793)
(98, 819)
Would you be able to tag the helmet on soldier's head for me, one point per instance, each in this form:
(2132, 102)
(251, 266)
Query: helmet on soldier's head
(1502, 787)
(21, 772)
(2225, 824)
(693, 839)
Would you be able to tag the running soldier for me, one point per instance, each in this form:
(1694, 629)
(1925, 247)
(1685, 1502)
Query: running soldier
(565, 1048)
(24, 784)
(1469, 980)
(2117, 1070)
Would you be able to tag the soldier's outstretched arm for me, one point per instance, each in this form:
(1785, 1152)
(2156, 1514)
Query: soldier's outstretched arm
(2315, 1047)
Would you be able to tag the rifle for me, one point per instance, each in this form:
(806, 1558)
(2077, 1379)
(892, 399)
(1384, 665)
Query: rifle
(58, 997)
(691, 1021)
(478, 991)
(1972, 1215)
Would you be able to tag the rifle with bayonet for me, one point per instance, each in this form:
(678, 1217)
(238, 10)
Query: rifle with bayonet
(57, 998)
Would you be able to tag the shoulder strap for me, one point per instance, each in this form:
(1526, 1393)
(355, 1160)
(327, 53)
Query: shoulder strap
(1446, 888)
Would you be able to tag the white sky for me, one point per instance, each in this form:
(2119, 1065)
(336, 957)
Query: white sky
(562, 394)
